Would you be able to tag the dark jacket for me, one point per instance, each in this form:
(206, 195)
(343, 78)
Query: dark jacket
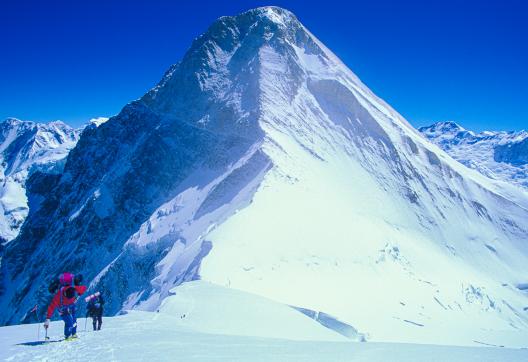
(95, 306)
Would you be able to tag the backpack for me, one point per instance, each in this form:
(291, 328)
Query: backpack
(64, 280)
(96, 304)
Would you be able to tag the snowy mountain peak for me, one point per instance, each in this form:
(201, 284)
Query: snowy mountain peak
(446, 129)
(262, 163)
(14, 124)
(26, 147)
(223, 70)
(31, 138)
(443, 126)
(275, 14)
(12, 121)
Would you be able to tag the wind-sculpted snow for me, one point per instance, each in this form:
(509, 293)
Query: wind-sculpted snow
(261, 163)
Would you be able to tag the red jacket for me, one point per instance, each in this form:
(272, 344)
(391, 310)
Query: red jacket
(57, 299)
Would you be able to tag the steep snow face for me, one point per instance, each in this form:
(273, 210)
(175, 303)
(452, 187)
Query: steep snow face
(261, 162)
(26, 147)
(498, 155)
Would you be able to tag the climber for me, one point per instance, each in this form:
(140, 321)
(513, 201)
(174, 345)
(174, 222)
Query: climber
(67, 288)
(95, 310)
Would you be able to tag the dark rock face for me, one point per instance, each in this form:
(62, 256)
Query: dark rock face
(112, 182)
(121, 171)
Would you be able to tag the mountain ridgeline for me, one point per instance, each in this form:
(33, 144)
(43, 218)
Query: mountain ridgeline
(262, 163)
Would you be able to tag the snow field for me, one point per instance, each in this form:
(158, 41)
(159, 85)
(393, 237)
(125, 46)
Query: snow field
(204, 322)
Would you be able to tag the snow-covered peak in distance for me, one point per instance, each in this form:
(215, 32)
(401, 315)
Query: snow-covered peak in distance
(260, 162)
(25, 143)
(25, 147)
(446, 128)
(497, 154)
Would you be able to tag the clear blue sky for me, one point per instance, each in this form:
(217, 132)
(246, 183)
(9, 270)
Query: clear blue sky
(432, 60)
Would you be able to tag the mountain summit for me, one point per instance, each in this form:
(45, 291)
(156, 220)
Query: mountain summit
(262, 163)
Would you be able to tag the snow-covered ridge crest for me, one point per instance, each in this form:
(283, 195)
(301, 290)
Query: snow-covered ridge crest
(261, 163)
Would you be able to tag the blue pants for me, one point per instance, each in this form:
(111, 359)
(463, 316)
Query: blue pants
(70, 321)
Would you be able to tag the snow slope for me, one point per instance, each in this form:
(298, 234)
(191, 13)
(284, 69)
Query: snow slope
(210, 308)
(240, 327)
(498, 155)
(260, 162)
(26, 147)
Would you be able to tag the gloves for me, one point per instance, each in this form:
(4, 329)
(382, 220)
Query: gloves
(46, 323)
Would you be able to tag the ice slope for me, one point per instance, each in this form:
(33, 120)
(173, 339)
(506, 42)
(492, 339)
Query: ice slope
(26, 147)
(260, 162)
(238, 327)
(498, 155)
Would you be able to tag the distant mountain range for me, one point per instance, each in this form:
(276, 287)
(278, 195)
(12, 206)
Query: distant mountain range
(498, 155)
(26, 147)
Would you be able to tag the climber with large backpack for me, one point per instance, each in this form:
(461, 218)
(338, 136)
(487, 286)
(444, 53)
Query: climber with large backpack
(66, 288)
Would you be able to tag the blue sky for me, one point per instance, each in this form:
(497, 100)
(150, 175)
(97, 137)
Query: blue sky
(465, 61)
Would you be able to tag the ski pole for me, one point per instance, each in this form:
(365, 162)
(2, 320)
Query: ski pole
(85, 322)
